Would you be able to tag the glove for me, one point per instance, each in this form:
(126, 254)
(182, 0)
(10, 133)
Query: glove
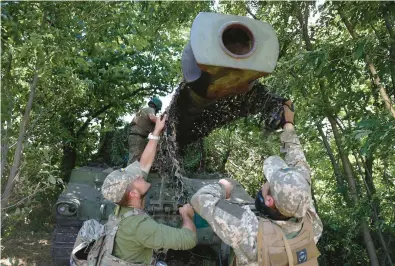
(277, 118)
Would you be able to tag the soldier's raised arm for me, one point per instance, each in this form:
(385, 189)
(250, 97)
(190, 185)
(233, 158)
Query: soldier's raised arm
(290, 143)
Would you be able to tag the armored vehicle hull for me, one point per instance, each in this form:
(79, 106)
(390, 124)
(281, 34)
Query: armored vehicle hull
(82, 200)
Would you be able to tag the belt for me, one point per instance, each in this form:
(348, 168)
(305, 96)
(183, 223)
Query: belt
(137, 134)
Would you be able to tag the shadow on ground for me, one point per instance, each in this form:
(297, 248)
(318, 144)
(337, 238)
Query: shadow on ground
(33, 248)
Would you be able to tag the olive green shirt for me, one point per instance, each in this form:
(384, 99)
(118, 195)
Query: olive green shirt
(139, 235)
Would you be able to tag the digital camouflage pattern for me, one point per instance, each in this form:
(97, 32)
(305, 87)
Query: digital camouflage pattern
(91, 230)
(114, 186)
(237, 225)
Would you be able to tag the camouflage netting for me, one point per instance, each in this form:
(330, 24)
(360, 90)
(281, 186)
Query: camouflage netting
(190, 127)
(184, 128)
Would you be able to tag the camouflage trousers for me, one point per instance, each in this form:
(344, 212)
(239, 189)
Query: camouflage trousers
(136, 147)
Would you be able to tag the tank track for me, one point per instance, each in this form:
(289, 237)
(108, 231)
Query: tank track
(63, 239)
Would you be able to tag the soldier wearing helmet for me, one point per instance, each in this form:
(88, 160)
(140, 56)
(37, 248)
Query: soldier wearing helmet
(285, 227)
(138, 234)
(142, 125)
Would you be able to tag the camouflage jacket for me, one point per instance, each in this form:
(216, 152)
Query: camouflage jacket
(237, 225)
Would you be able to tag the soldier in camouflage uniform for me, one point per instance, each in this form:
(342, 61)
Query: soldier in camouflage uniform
(143, 124)
(285, 197)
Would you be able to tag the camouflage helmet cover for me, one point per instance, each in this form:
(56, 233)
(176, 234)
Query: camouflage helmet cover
(157, 102)
(288, 186)
(115, 184)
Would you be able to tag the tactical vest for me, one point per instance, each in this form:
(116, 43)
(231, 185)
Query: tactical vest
(275, 249)
(98, 251)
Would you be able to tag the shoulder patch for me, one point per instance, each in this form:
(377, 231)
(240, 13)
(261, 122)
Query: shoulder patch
(301, 255)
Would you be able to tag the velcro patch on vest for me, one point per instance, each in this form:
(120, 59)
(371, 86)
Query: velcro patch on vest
(301, 255)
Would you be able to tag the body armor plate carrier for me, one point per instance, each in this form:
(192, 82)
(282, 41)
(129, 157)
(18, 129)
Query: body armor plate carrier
(275, 249)
(95, 243)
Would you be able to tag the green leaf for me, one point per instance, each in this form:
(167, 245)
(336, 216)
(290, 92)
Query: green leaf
(362, 133)
(46, 155)
(360, 49)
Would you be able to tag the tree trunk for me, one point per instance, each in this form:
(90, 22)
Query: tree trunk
(4, 132)
(369, 173)
(335, 165)
(371, 190)
(19, 147)
(353, 191)
(224, 161)
(376, 78)
(383, 92)
(4, 146)
(4, 143)
(388, 24)
(68, 161)
(367, 177)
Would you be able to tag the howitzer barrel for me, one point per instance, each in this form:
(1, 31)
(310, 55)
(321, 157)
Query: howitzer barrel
(226, 54)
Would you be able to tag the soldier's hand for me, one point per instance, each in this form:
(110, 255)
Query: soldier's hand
(288, 113)
(228, 187)
(159, 125)
(186, 210)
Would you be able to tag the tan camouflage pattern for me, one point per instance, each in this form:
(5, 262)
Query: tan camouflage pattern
(114, 186)
(141, 123)
(136, 147)
(239, 228)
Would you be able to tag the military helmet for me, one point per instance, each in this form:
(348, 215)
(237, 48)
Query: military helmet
(157, 102)
(288, 186)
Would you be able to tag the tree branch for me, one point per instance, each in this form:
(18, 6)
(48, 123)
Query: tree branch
(303, 19)
(102, 110)
(94, 115)
(250, 12)
(383, 93)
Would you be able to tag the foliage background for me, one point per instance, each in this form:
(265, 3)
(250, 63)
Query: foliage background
(87, 64)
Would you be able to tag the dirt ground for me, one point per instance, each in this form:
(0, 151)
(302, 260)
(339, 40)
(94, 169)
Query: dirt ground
(33, 248)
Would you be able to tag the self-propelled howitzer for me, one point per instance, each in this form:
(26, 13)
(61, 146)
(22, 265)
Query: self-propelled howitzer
(221, 63)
